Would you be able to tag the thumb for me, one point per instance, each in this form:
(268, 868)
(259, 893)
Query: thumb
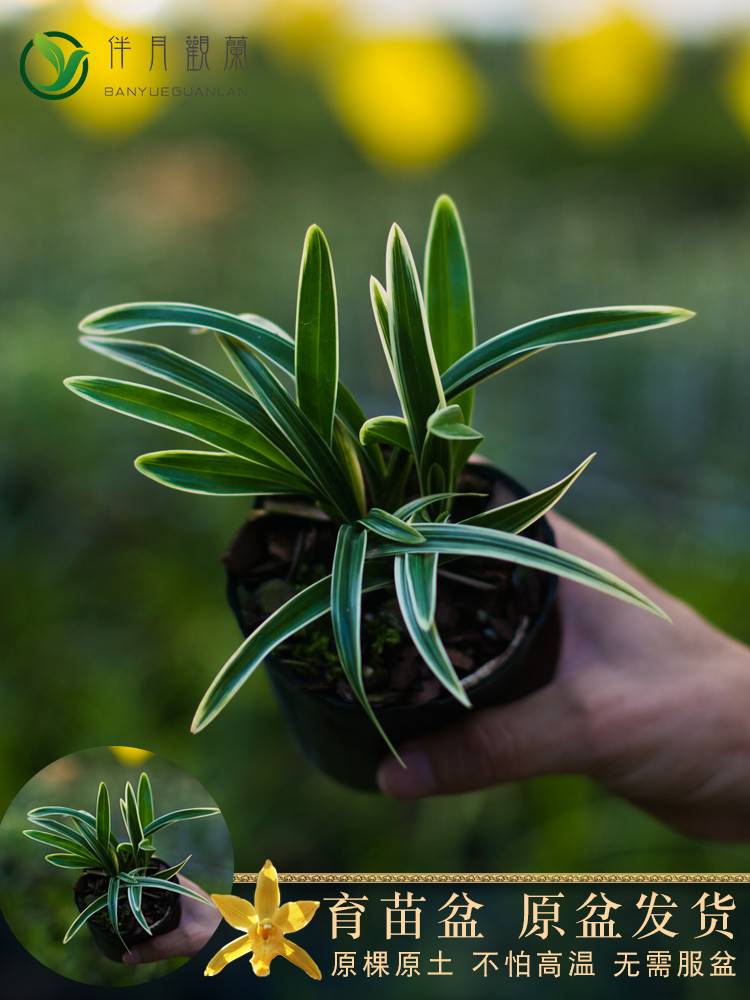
(533, 736)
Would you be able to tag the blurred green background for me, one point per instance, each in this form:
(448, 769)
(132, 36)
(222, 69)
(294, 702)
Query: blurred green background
(36, 898)
(114, 619)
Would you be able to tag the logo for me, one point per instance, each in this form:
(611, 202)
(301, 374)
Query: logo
(69, 63)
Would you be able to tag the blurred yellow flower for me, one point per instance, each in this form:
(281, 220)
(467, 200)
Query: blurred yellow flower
(130, 756)
(599, 81)
(409, 101)
(737, 84)
(89, 108)
(265, 923)
(297, 30)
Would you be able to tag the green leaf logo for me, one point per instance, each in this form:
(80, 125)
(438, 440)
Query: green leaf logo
(69, 61)
(54, 54)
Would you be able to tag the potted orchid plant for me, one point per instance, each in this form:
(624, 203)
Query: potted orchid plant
(379, 572)
(125, 894)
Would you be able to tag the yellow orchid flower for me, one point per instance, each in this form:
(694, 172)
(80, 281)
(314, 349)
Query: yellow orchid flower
(265, 923)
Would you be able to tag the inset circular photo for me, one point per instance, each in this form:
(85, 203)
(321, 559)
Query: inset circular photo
(109, 859)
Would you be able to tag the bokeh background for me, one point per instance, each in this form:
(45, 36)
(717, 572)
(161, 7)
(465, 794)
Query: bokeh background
(598, 154)
(36, 899)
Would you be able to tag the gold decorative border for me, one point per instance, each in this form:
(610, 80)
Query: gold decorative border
(506, 878)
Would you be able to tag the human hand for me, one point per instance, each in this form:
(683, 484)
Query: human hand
(197, 924)
(658, 713)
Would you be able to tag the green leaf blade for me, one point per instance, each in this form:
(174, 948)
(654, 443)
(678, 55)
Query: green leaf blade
(392, 431)
(468, 540)
(576, 327)
(49, 812)
(316, 363)
(82, 846)
(417, 378)
(346, 602)
(132, 818)
(387, 525)
(302, 609)
(146, 848)
(91, 910)
(131, 316)
(163, 363)
(216, 474)
(348, 410)
(305, 607)
(447, 448)
(315, 456)
(351, 459)
(113, 898)
(448, 423)
(103, 817)
(413, 507)
(520, 514)
(426, 638)
(420, 575)
(186, 416)
(256, 332)
(93, 846)
(167, 873)
(379, 302)
(135, 895)
(145, 800)
(176, 887)
(76, 861)
(448, 293)
(66, 845)
(179, 816)
(346, 614)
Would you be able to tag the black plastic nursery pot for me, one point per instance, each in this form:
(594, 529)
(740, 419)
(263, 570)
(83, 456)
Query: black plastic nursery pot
(88, 888)
(332, 730)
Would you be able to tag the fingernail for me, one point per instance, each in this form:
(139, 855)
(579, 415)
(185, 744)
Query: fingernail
(131, 957)
(417, 778)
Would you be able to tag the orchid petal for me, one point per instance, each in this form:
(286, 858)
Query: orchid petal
(299, 957)
(294, 916)
(238, 913)
(267, 896)
(235, 949)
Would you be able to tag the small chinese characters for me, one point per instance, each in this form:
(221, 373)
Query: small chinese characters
(417, 938)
